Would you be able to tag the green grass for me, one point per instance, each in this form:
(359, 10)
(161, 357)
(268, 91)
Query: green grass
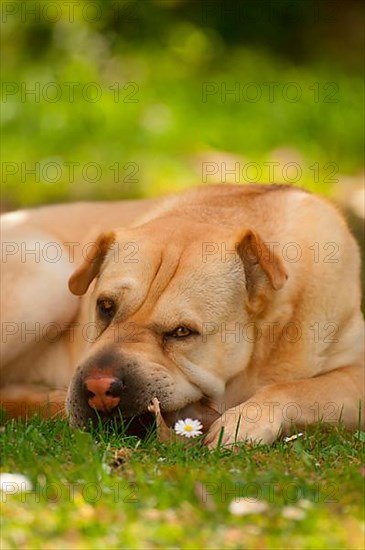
(158, 496)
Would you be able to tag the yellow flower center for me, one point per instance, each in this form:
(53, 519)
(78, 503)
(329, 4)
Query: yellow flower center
(188, 428)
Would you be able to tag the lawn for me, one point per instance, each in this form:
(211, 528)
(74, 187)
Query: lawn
(103, 490)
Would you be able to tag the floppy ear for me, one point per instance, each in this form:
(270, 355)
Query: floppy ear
(81, 278)
(262, 266)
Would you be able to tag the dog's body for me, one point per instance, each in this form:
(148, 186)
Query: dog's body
(239, 305)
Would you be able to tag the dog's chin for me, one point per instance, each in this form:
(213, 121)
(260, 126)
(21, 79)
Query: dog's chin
(140, 425)
(144, 424)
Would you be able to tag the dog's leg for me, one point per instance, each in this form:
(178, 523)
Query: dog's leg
(332, 397)
(24, 401)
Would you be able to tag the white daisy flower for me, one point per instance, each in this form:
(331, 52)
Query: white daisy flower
(188, 427)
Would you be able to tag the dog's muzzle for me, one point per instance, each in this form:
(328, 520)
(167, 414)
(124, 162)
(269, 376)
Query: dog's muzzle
(110, 386)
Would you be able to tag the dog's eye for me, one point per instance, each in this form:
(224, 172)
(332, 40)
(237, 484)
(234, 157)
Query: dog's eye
(180, 332)
(106, 308)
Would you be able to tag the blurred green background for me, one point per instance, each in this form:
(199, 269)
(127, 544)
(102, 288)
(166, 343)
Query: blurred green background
(108, 99)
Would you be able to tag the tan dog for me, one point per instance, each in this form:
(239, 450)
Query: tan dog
(238, 305)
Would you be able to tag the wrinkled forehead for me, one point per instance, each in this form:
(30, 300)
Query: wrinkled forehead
(143, 268)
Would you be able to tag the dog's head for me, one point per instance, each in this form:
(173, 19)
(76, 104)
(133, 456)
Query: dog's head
(164, 307)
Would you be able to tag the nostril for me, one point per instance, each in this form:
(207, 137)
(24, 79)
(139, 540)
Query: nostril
(116, 389)
(89, 394)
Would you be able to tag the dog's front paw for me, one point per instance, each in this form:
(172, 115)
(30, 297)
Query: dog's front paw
(234, 426)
